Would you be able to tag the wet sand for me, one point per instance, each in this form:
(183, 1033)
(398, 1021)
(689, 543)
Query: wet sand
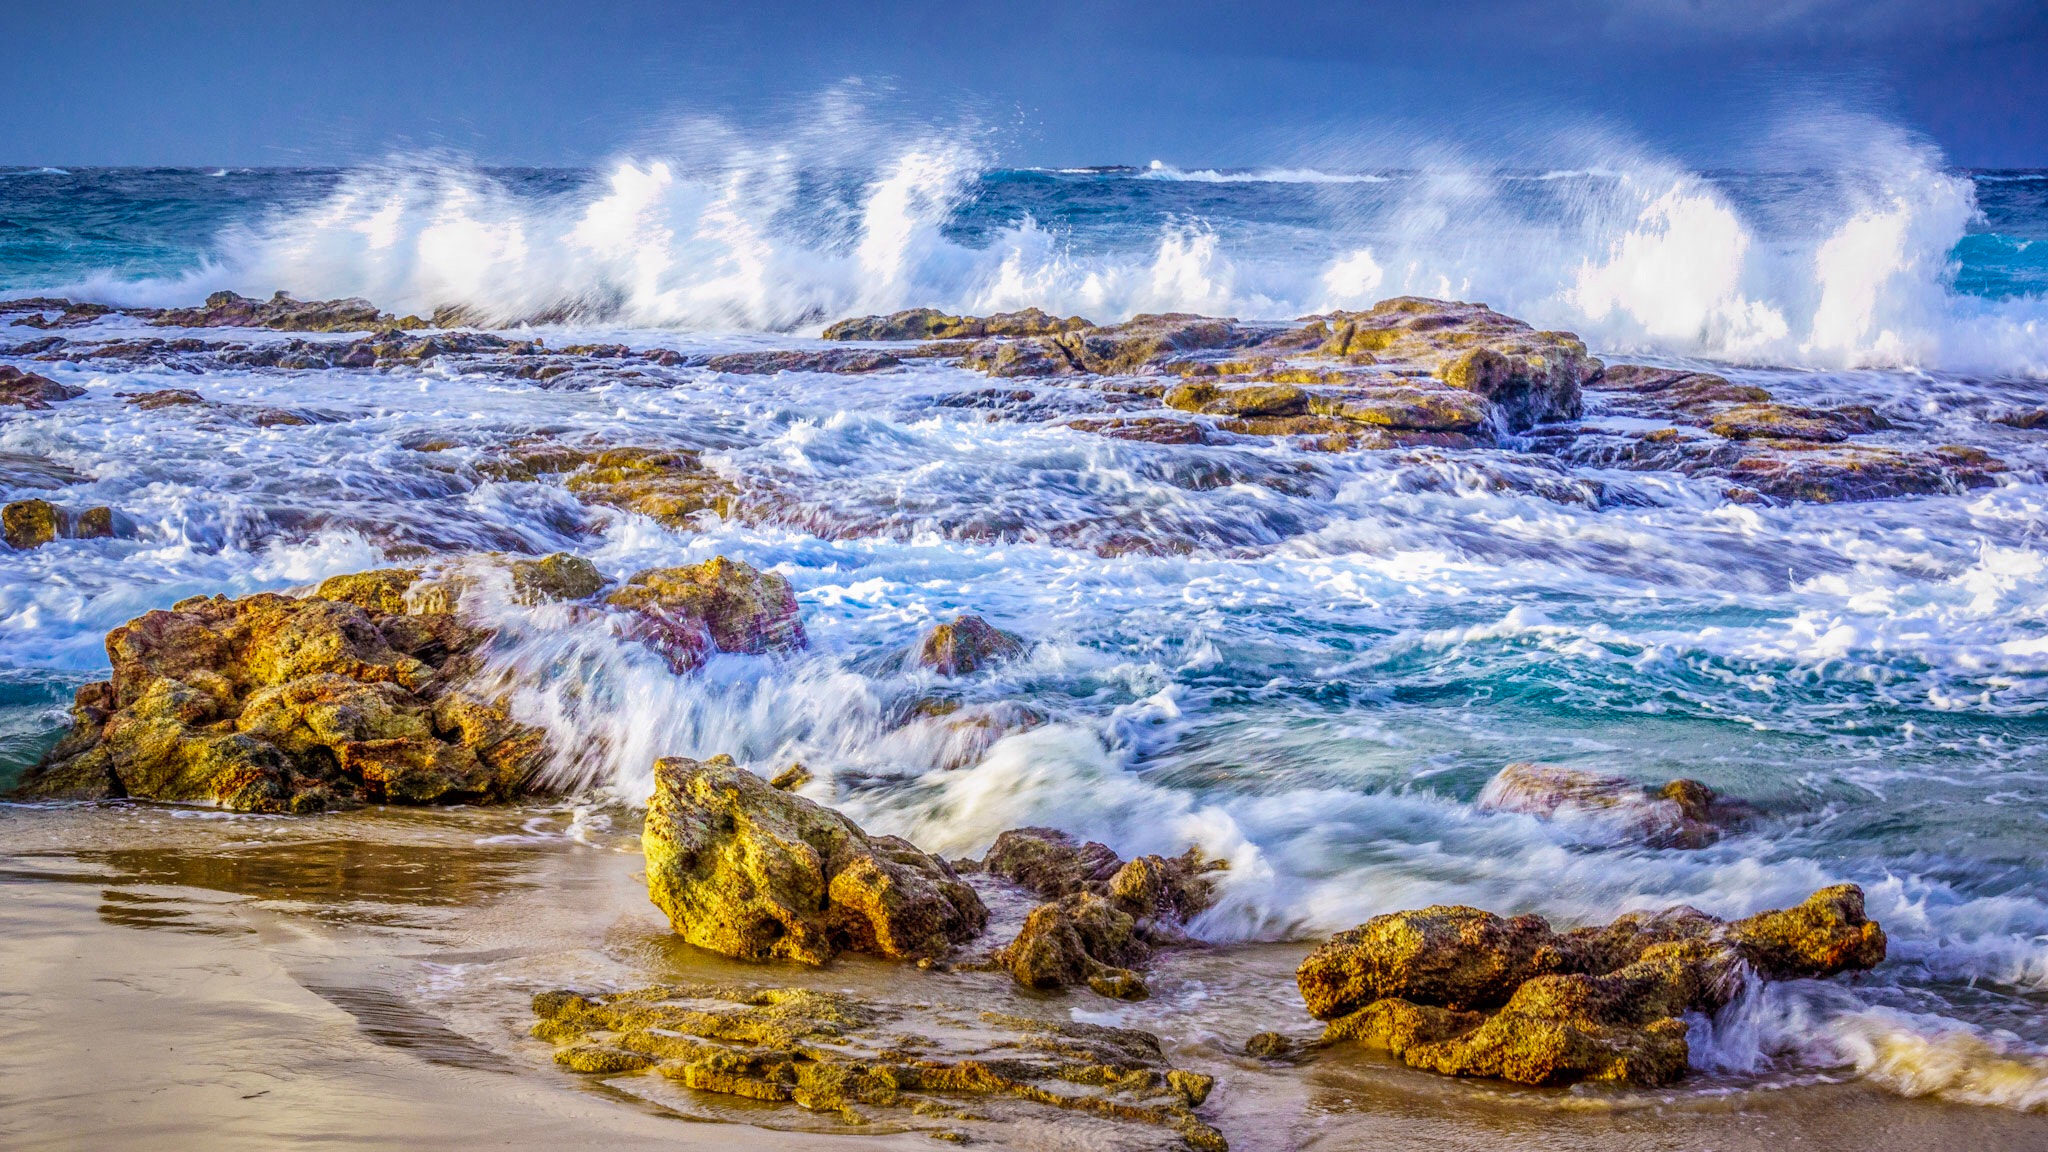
(176, 979)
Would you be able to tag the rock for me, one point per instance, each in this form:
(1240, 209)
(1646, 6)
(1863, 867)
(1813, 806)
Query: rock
(1269, 1046)
(720, 605)
(31, 391)
(166, 398)
(1406, 406)
(1785, 422)
(275, 704)
(1246, 400)
(553, 578)
(931, 324)
(281, 312)
(792, 778)
(965, 646)
(2027, 419)
(1103, 915)
(843, 361)
(32, 523)
(1466, 993)
(1791, 470)
(948, 1069)
(670, 487)
(1144, 429)
(749, 871)
(1681, 814)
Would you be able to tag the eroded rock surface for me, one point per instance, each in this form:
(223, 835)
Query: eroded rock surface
(958, 1073)
(274, 703)
(32, 523)
(966, 645)
(1465, 992)
(1103, 916)
(748, 870)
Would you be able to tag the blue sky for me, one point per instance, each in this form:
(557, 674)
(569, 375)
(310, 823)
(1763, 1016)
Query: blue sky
(1192, 82)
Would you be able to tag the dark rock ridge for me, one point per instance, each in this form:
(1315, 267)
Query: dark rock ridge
(957, 1073)
(1103, 916)
(274, 703)
(32, 391)
(1680, 814)
(27, 524)
(1467, 993)
(221, 310)
(749, 870)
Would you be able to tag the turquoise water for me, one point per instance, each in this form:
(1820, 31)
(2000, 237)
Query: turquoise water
(1349, 647)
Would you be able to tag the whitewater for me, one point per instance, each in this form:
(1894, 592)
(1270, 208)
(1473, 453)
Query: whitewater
(1318, 679)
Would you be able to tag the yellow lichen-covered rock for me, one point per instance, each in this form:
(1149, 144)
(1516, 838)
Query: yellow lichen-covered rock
(280, 704)
(750, 871)
(932, 324)
(720, 605)
(29, 523)
(966, 645)
(930, 1066)
(1598, 1003)
(1078, 939)
(557, 577)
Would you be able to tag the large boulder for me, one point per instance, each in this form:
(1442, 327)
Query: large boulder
(747, 870)
(1460, 991)
(721, 605)
(274, 703)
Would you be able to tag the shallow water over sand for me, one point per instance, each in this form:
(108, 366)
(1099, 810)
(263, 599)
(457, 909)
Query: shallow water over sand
(180, 979)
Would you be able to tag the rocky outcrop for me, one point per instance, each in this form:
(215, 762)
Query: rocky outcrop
(958, 1073)
(274, 703)
(284, 314)
(32, 391)
(932, 324)
(965, 646)
(1467, 993)
(1766, 451)
(1102, 917)
(32, 523)
(721, 605)
(1680, 814)
(839, 361)
(748, 870)
(554, 578)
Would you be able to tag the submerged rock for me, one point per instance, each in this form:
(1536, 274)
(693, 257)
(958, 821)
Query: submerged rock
(965, 646)
(1464, 992)
(32, 391)
(748, 870)
(955, 1072)
(720, 605)
(272, 703)
(1681, 814)
(27, 524)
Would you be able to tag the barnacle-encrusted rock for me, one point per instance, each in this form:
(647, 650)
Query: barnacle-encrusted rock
(32, 391)
(965, 646)
(1680, 814)
(273, 703)
(950, 1070)
(1466, 993)
(748, 870)
(720, 605)
(1103, 915)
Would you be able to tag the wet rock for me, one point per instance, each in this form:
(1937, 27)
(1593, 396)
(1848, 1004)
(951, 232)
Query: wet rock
(1680, 814)
(1411, 407)
(931, 324)
(1243, 400)
(1463, 992)
(553, 578)
(2027, 420)
(32, 391)
(955, 1072)
(1793, 471)
(1144, 429)
(842, 361)
(1103, 915)
(950, 736)
(70, 314)
(27, 524)
(1785, 422)
(720, 605)
(750, 871)
(670, 487)
(792, 778)
(165, 398)
(1269, 1046)
(272, 703)
(281, 312)
(966, 646)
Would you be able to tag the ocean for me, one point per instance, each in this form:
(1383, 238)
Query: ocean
(1321, 664)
